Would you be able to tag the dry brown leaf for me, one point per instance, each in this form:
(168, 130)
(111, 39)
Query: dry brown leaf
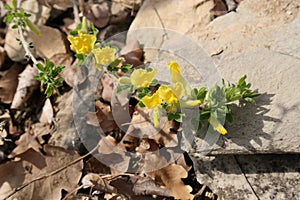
(47, 113)
(111, 155)
(97, 183)
(74, 74)
(26, 141)
(102, 117)
(33, 165)
(171, 177)
(26, 87)
(108, 87)
(167, 136)
(57, 4)
(142, 127)
(219, 9)
(8, 83)
(51, 42)
(98, 13)
(40, 130)
(132, 53)
(2, 56)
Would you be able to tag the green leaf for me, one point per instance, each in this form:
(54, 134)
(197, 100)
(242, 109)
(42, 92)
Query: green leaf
(73, 32)
(115, 63)
(126, 68)
(201, 93)
(154, 83)
(40, 67)
(141, 104)
(32, 27)
(9, 18)
(144, 92)
(178, 116)
(204, 116)
(123, 88)
(7, 7)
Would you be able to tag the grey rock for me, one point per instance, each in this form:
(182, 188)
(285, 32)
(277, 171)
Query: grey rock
(249, 41)
(251, 176)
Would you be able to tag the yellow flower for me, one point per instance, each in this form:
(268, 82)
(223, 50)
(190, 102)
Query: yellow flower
(216, 125)
(153, 101)
(190, 103)
(175, 72)
(177, 77)
(83, 43)
(171, 94)
(105, 55)
(141, 78)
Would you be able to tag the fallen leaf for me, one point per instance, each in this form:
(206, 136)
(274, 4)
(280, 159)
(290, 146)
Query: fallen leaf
(2, 56)
(40, 130)
(47, 113)
(108, 87)
(132, 53)
(26, 87)
(102, 117)
(96, 182)
(26, 141)
(73, 74)
(33, 165)
(171, 177)
(98, 13)
(219, 9)
(8, 83)
(51, 42)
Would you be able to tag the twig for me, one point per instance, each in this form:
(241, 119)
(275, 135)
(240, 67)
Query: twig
(51, 173)
(70, 193)
(24, 42)
(25, 46)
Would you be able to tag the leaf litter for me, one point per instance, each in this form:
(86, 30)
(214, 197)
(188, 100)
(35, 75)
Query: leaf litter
(139, 167)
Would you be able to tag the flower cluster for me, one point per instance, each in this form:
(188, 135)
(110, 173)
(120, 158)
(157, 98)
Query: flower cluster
(84, 44)
(213, 104)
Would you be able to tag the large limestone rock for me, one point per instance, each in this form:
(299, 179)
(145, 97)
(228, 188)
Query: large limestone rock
(260, 40)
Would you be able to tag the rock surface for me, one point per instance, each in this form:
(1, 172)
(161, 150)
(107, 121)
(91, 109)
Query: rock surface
(260, 39)
(251, 176)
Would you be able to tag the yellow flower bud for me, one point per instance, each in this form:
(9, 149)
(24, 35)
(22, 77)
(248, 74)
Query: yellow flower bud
(178, 78)
(217, 126)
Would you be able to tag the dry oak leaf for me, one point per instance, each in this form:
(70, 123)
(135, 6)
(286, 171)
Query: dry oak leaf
(26, 87)
(35, 170)
(8, 83)
(26, 141)
(102, 117)
(132, 53)
(172, 176)
(108, 87)
(98, 13)
(47, 113)
(73, 74)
